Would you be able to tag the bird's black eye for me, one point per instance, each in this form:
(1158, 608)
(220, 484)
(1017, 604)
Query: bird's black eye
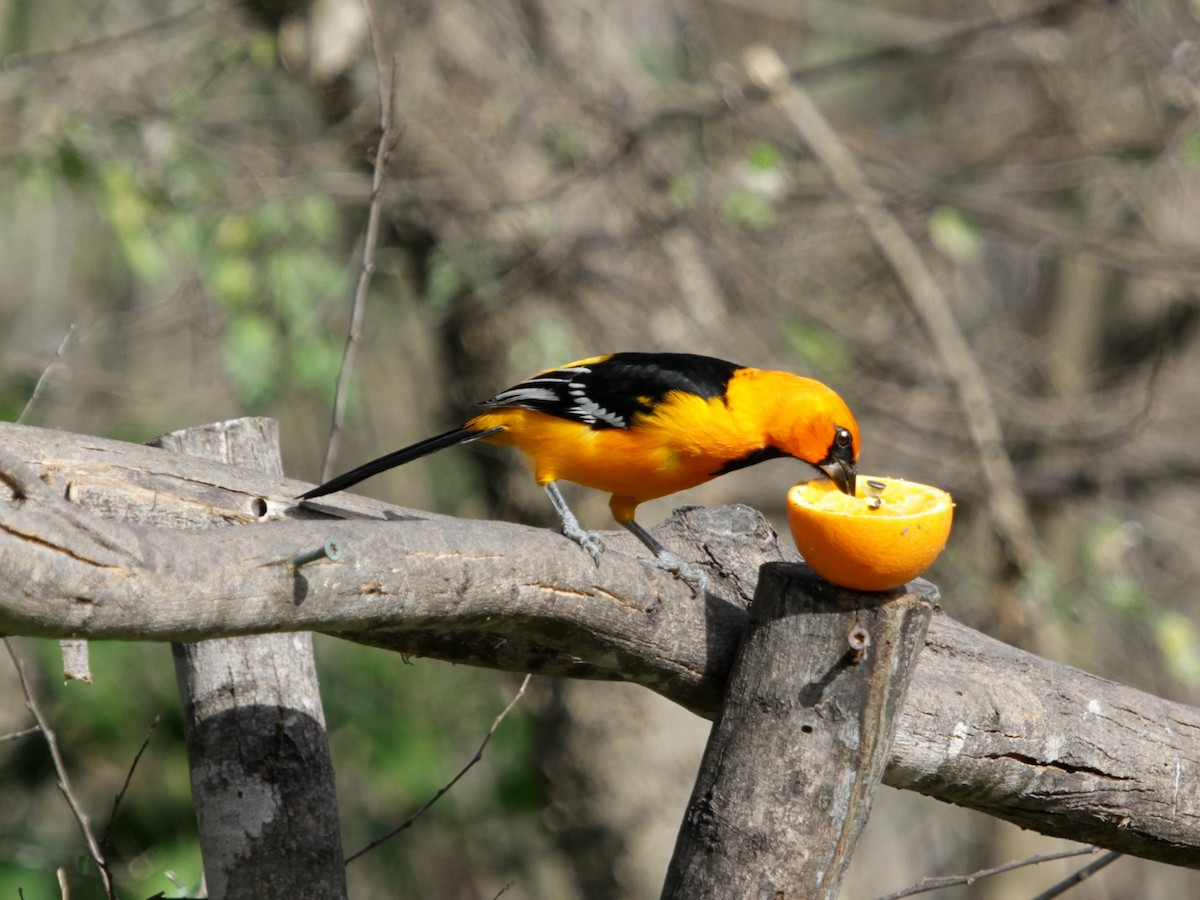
(842, 437)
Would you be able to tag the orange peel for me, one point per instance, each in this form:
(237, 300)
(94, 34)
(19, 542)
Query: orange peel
(886, 535)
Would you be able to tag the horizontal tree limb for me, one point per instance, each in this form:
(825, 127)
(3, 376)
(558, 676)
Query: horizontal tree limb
(984, 725)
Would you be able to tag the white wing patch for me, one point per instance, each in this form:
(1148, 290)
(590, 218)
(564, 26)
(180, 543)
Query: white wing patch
(519, 396)
(564, 396)
(588, 410)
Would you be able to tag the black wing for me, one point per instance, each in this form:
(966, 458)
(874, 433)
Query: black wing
(611, 391)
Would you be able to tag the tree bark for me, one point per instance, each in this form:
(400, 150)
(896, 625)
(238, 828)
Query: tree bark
(261, 771)
(985, 725)
(800, 741)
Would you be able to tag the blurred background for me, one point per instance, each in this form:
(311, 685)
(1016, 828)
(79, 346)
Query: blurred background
(184, 188)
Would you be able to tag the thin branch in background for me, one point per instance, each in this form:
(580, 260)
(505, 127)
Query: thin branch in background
(17, 735)
(41, 382)
(137, 757)
(442, 791)
(1009, 512)
(1082, 875)
(64, 781)
(14, 62)
(383, 155)
(936, 884)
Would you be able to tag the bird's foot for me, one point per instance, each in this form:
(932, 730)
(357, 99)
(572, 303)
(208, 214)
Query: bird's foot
(589, 541)
(693, 576)
(664, 559)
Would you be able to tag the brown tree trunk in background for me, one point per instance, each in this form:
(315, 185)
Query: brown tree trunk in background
(262, 776)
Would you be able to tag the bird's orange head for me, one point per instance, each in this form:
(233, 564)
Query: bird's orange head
(808, 420)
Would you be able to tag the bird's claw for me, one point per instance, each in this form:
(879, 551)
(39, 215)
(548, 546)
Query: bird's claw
(586, 539)
(692, 576)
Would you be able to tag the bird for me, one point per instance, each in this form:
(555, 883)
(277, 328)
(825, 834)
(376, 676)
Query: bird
(644, 425)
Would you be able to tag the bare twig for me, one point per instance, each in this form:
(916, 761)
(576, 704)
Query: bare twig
(64, 781)
(383, 153)
(1007, 503)
(137, 757)
(936, 884)
(16, 61)
(1082, 875)
(453, 781)
(17, 735)
(41, 382)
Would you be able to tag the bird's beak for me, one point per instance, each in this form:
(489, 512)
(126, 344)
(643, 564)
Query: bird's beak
(842, 474)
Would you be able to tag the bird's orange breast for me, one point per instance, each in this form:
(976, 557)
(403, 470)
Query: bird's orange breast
(682, 444)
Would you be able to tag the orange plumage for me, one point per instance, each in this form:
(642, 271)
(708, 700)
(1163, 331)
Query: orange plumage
(684, 441)
(644, 425)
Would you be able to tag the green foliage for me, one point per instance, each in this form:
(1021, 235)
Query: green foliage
(1105, 548)
(956, 236)
(754, 202)
(820, 350)
(750, 209)
(566, 147)
(100, 728)
(400, 731)
(1179, 641)
(660, 62)
(684, 190)
(764, 157)
(1191, 151)
(274, 268)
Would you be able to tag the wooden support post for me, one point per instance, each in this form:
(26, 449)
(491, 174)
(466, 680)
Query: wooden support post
(800, 742)
(262, 776)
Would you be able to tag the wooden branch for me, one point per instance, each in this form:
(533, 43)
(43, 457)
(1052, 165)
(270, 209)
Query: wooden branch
(800, 741)
(258, 754)
(985, 725)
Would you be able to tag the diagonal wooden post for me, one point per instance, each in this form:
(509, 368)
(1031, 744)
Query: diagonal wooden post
(801, 740)
(262, 776)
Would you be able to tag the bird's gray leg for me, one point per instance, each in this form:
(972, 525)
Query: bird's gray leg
(665, 559)
(570, 525)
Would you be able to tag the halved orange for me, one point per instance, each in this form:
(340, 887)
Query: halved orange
(884, 537)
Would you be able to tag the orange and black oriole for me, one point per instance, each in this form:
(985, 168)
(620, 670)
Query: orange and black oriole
(644, 425)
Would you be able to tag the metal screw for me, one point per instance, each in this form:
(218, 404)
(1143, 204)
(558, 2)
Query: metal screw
(329, 550)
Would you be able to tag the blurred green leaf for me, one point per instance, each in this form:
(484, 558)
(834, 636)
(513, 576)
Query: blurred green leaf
(251, 351)
(125, 206)
(443, 281)
(318, 218)
(750, 209)
(1191, 151)
(661, 62)
(235, 233)
(956, 236)
(1179, 642)
(314, 362)
(234, 282)
(764, 157)
(820, 349)
(684, 191)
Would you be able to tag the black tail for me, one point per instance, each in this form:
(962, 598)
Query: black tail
(398, 458)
